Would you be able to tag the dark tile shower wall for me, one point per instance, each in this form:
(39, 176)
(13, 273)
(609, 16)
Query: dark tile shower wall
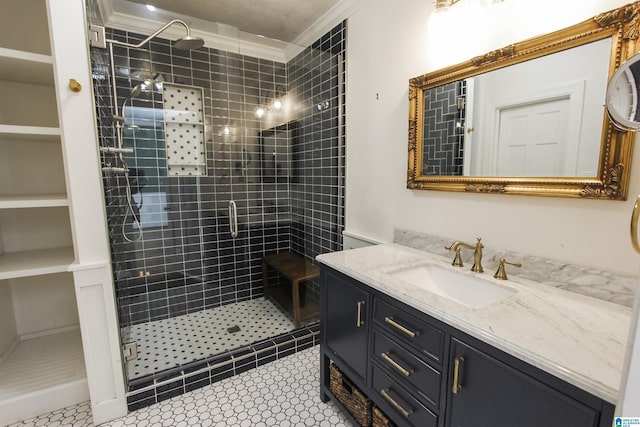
(190, 262)
(444, 129)
(317, 81)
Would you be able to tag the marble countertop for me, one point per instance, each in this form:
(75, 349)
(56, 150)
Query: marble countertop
(577, 338)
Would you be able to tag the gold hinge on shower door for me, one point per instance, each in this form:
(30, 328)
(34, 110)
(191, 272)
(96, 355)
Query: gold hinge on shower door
(130, 351)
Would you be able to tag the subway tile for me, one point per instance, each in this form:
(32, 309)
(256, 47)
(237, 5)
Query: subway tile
(237, 81)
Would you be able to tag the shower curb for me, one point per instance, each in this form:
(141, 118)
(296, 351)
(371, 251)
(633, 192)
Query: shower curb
(159, 387)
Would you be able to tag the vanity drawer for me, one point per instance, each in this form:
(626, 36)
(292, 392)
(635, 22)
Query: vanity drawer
(398, 403)
(407, 368)
(426, 339)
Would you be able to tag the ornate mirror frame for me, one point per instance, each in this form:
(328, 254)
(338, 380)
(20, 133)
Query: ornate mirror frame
(622, 25)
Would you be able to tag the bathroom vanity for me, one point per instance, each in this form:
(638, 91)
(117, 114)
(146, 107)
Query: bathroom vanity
(517, 353)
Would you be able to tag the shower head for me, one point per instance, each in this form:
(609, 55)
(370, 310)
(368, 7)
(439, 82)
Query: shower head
(189, 43)
(185, 43)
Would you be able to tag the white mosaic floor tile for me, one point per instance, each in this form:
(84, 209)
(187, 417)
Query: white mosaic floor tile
(166, 343)
(284, 393)
(74, 416)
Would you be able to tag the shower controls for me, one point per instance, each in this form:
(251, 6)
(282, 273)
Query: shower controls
(114, 169)
(115, 150)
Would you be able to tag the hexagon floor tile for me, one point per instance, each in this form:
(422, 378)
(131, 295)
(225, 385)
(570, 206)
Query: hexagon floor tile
(284, 393)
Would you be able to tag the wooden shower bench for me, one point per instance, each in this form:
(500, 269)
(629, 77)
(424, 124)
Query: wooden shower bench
(296, 269)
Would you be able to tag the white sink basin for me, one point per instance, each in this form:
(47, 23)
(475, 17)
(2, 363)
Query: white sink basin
(466, 289)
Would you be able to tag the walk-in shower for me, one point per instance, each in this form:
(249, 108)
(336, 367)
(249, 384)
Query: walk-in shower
(187, 42)
(187, 269)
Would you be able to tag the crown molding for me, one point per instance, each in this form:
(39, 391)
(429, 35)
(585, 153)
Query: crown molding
(338, 13)
(134, 17)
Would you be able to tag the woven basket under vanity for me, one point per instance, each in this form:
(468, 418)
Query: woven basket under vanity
(379, 419)
(348, 394)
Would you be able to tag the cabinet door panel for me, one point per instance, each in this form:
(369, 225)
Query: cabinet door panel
(346, 322)
(493, 394)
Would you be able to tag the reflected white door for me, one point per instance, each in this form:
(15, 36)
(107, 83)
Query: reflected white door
(532, 139)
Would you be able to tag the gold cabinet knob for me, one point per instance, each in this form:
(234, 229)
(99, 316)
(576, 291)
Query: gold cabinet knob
(74, 85)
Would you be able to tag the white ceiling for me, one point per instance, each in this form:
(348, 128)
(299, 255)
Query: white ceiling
(271, 29)
(276, 19)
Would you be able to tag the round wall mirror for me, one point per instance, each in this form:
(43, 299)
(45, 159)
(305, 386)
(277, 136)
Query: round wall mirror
(623, 95)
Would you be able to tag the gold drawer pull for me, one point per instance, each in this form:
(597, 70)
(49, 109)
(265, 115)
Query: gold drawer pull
(403, 371)
(401, 328)
(395, 404)
(359, 321)
(457, 374)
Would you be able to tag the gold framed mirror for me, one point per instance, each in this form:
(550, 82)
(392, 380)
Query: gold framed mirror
(546, 134)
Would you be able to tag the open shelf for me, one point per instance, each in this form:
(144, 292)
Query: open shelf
(326, 390)
(25, 67)
(41, 375)
(29, 133)
(33, 201)
(35, 262)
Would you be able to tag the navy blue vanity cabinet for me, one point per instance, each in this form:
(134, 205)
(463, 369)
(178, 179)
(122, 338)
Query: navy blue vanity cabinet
(422, 372)
(497, 390)
(345, 323)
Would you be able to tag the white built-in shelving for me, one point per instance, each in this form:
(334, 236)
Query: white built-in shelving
(45, 369)
(29, 133)
(35, 262)
(33, 201)
(41, 355)
(25, 67)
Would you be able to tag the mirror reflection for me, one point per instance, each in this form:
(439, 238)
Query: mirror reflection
(529, 118)
(537, 118)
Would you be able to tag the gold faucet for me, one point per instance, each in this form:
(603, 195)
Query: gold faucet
(501, 274)
(477, 254)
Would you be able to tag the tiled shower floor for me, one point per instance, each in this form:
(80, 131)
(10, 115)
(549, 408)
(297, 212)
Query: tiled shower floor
(166, 343)
(284, 393)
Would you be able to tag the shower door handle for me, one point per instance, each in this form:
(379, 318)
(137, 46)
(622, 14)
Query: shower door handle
(233, 219)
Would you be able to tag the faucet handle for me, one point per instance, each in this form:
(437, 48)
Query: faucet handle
(457, 260)
(501, 274)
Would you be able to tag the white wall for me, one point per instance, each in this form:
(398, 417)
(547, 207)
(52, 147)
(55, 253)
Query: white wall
(387, 45)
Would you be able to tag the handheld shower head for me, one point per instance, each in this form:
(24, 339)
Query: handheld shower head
(148, 85)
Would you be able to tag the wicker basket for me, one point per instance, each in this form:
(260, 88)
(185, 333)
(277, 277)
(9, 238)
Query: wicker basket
(348, 394)
(380, 419)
